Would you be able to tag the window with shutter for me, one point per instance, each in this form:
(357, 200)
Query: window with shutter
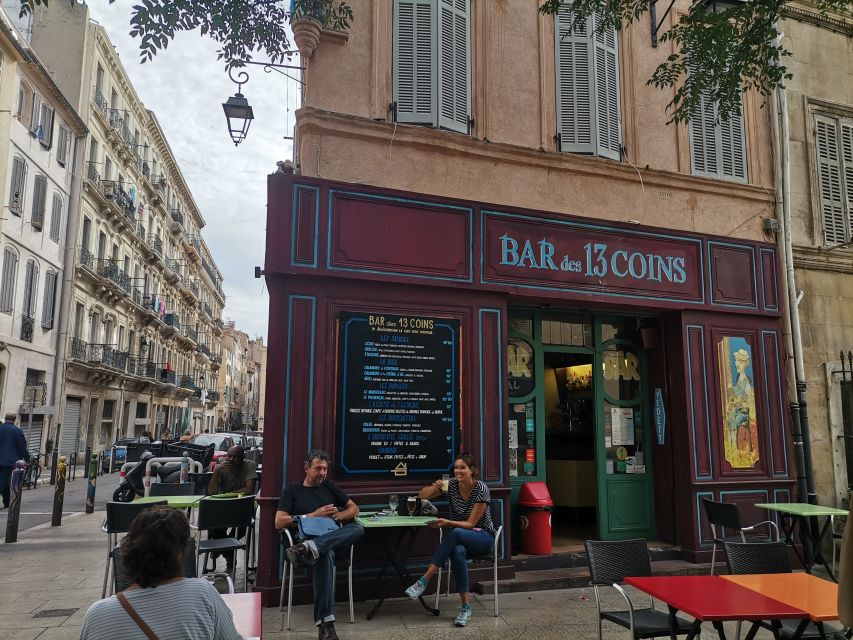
(63, 145)
(39, 202)
(431, 67)
(16, 190)
(717, 148)
(35, 114)
(588, 103)
(7, 280)
(56, 217)
(834, 151)
(30, 288)
(49, 304)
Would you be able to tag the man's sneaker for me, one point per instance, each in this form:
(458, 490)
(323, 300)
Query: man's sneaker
(417, 589)
(300, 552)
(327, 631)
(464, 615)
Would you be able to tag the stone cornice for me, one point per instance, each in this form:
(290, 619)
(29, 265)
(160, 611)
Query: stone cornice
(819, 259)
(812, 16)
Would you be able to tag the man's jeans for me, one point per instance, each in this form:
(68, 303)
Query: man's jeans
(324, 567)
(5, 479)
(457, 545)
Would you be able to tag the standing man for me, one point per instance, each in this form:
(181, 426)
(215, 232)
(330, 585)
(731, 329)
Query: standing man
(13, 447)
(317, 496)
(234, 475)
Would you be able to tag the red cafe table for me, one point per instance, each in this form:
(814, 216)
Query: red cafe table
(712, 599)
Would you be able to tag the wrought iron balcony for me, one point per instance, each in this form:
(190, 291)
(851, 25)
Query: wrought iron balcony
(79, 349)
(188, 382)
(173, 265)
(191, 333)
(27, 324)
(101, 102)
(87, 259)
(140, 231)
(137, 295)
(172, 320)
(177, 216)
(213, 396)
(155, 243)
(118, 123)
(92, 173)
(149, 304)
(206, 306)
(193, 287)
(159, 182)
(169, 376)
(110, 270)
(203, 348)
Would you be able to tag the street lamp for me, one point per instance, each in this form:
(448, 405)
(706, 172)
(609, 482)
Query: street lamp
(238, 111)
(714, 6)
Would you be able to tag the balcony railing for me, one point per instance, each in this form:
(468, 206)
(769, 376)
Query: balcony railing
(207, 309)
(92, 173)
(213, 396)
(155, 243)
(191, 333)
(87, 259)
(193, 287)
(159, 182)
(188, 382)
(172, 320)
(203, 348)
(173, 265)
(140, 231)
(109, 269)
(137, 295)
(169, 376)
(101, 102)
(177, 216)
(108, 357)
(149, 303)
(27, 324)
(118, 123)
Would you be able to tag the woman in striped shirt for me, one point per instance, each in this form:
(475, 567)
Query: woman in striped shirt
(470, 530)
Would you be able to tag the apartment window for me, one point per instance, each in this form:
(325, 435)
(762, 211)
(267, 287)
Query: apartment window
(587, 66)
(95, 328)
(56, 217)
(108, 168)
(431, 48)
(30, 288)
(87, 231)
(64, 145)
(19, 181)
(113, 100)
(834, 152)
(78, 320)
(8, 280)
(39, 201)
(717, 148)
(41, 121)
(49, 304)
(102, 245)
(93, 151)
(99, 78)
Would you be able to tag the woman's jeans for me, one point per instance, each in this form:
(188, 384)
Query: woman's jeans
(457, 545)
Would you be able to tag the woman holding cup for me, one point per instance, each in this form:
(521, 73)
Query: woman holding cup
(470, 530)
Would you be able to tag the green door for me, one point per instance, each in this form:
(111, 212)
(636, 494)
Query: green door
(623, 451)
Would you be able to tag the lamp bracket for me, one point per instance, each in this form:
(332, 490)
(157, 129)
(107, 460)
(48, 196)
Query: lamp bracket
(655, 24)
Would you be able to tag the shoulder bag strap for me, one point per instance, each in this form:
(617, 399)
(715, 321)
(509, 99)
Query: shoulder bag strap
(136, 618)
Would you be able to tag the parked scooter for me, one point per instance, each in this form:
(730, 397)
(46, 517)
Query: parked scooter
(133, 483)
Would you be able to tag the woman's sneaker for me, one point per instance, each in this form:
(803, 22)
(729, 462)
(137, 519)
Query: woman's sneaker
(464, 615)
(417, 589)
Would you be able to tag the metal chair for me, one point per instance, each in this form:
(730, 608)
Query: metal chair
(119, 517)
(225, 513)
(770, 557)
(172, 489)
(489, 557)
(727, 516)
(121, 581)
(287, 578)
(201, 481)
(610, 562)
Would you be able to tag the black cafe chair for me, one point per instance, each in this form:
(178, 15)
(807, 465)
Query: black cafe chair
(172, 489)
(610, 562)
(119, 517)
(225, 513)
(725, 515)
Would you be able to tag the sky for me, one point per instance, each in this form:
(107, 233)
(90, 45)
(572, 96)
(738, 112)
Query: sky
(185, 86)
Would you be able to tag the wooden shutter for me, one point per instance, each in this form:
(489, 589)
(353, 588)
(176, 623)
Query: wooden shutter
(63, 145)
(607, 108)
(16, 192)
(56, 217)
(703, 137)
(454, 96)
(575, 72)
(732, 150)
(830, 180)
(414, 44)
(39, 201)
(7, 281)
(847, 172)
(30, 288)
(49, 304)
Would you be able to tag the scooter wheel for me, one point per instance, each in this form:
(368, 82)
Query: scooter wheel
(124, 494)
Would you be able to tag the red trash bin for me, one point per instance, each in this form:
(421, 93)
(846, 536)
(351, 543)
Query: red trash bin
(535, 505)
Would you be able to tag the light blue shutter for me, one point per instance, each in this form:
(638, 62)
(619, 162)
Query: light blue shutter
(454, 96)
(732, 147)
(414, 70)
(607, 116)
(575, 117)
(830, 179)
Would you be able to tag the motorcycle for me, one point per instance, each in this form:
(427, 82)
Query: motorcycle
(133, 483)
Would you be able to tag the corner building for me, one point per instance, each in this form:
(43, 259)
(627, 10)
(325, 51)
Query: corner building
(580, 293)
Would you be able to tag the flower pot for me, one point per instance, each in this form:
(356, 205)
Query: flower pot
(306, 35)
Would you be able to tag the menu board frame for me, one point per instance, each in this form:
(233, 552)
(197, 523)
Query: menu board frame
(440, 437)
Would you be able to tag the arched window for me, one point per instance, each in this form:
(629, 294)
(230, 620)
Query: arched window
(19, 182)
(7, 280)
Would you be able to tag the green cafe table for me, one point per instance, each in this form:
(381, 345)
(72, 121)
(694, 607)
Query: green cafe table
(794, 513)
(392, 532)
(178, 502)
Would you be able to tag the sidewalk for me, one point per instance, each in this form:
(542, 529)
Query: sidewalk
(52, 574)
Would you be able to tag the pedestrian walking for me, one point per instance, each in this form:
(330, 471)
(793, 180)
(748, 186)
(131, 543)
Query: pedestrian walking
(13, 447)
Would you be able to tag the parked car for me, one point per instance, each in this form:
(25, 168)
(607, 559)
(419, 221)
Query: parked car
(120, 447)
(224, 441)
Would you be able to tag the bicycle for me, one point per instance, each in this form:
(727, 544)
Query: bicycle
(32, 472)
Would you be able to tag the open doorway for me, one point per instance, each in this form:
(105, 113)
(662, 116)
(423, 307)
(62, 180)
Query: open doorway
(570, 446)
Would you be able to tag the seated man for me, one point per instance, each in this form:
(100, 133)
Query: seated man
(316, 496)
(234, 475)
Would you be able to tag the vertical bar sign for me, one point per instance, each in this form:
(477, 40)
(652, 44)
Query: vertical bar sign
(660, 417)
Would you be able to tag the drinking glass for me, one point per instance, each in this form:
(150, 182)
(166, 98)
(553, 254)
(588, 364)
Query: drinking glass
(411, 505)
(393, 504)
(445, 479)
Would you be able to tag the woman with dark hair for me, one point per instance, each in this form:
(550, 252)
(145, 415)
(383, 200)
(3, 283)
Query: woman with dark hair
(161, 603)
(470, 530)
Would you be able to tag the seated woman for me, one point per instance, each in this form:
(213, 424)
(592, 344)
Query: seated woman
(470, 530)
(161, 603)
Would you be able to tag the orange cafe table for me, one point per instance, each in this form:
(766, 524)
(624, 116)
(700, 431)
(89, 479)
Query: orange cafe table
(815, 596)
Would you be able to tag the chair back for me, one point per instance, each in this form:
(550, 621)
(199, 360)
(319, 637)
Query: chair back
(222, 513)
(757, 557)
(121, 514)
(611, 561)
(722, 514)
(172, 489)
(122, 581)
(201, 481)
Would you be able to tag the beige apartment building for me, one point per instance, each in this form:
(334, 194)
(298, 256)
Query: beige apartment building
(141, 347)
(820, 121)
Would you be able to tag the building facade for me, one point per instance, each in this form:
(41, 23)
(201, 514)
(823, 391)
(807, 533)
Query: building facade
(41, 161)
(500, 245)
(143, 330)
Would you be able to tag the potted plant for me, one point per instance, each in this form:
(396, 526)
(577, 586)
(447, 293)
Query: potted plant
(309, 17)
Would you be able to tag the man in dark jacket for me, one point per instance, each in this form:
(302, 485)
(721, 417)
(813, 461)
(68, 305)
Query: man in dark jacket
(13, 447)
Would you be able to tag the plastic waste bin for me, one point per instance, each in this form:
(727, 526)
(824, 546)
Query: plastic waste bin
(535, 505)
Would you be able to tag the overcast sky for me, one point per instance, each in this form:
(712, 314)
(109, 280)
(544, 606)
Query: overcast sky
(185, 86)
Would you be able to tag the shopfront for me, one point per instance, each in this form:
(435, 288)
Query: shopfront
(634, 370)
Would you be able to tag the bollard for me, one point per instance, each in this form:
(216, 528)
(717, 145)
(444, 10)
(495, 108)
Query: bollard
(59, 494)
(93, 479)
(185, 468)
(15, 504)
(53, 461)
(112, 460)
(73, 473)
(86, 459)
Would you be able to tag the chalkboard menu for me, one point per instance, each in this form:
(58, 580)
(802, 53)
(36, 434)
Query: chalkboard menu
(398, 394)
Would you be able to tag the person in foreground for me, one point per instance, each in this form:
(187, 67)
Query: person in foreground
(317, 496)
(160, 603)
(471, 530)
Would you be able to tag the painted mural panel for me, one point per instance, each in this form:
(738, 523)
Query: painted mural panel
(740, 419)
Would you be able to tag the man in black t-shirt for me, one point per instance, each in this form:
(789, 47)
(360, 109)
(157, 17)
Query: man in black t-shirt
(316, 496)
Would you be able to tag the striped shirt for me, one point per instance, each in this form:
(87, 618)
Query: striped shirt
(189, 609)
(460, 508)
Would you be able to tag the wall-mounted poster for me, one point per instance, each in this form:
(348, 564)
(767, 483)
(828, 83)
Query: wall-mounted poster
(740, 420)
(398, 394)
